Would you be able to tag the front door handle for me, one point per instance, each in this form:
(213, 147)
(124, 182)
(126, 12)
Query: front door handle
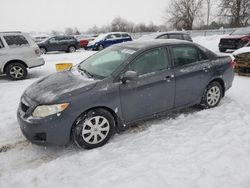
(206, 68)
(169, 77)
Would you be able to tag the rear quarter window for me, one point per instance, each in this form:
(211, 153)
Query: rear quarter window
(186, 37)
(16, 41)
(184, 55)
(175, 36)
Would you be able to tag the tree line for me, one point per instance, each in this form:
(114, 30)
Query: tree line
(183, 15)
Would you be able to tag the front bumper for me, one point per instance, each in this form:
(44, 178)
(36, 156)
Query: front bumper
(53, 130)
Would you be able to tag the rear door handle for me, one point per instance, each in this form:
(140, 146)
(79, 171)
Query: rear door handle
(206, 68)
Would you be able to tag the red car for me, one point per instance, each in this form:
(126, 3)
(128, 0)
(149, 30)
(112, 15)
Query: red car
(84, 40)
(235, 40)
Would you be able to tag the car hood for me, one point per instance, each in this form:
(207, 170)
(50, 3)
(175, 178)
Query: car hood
(59, 86)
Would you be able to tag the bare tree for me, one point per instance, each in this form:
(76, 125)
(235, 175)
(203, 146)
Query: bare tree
(236, 12)
(54, 32)
(69, 31)
(119, 24)
(182, 13)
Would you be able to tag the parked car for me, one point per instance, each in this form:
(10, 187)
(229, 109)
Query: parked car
(119, 86)
(108, 39)
(167, 35)
(84, 40)
(59, 43)
(40, 38)
(235, 40)
(18, 52)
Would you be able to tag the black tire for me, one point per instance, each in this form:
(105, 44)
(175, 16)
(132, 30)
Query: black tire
(212, 95)
(86, 132)
(43, 50)
(71, 49)
(100, 47)
(222, 49)
(16, 71)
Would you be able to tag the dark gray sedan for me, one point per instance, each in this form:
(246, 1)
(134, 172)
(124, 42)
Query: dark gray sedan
(119, 86)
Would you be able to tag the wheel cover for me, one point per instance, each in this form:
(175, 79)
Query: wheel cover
(213, 95)
(16, 72)
(72, 49)
(95, 129)
(101, 47)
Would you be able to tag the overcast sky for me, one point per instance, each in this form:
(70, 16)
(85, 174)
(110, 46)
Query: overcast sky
(46, 15)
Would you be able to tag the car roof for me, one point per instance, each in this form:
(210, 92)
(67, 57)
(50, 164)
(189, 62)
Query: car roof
(157, 34)
(110, 33)
(152, 43)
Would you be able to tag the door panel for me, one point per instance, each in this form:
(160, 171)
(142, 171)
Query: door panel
(148, 95)
(154, 90)
(192, 73)
(190, 82)
(52, 44)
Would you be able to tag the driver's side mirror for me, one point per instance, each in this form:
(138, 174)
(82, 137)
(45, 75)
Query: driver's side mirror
(129, 76)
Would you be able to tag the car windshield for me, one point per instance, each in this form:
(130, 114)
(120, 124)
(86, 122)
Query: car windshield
(105, 62)
(241, 32)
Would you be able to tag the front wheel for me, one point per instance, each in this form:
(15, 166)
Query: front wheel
(100, 47)
(93, 129)
(212, 95)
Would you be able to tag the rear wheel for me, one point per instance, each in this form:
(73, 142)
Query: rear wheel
(71, 49)
(93, 129)
(16, 71)
(212, 95)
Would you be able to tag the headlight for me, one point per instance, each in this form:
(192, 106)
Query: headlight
(47, 110)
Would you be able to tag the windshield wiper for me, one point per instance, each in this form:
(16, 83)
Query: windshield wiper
(86, 72)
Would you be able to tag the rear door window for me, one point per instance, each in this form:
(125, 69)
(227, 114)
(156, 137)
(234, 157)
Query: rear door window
(16, 41)
(125, 35)
(184, 55)
(163, 37)
(117, 35)
(175, 36)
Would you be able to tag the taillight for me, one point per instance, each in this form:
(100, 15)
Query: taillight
(232, 63)
(37, 52)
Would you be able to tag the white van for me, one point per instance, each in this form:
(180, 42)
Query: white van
(18, 52)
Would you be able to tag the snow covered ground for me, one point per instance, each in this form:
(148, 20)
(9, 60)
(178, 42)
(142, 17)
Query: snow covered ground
(187, 149)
